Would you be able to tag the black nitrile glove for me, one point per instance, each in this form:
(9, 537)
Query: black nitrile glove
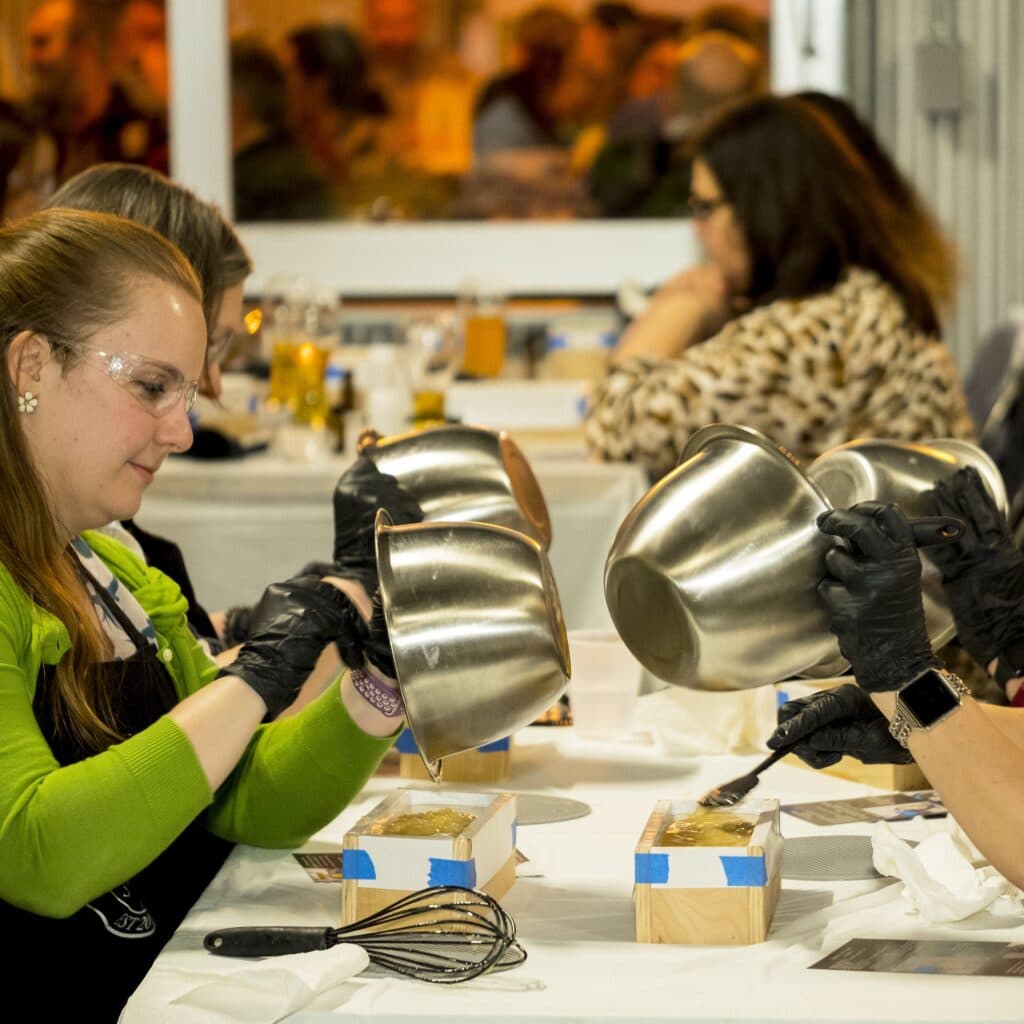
(982, 573)
(828, 724)
(373, 645)
(360, 491)
(873, 595)
(294, 621)
(245, 620)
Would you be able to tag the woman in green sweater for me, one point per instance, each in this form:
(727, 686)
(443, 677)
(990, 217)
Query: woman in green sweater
(128, 762)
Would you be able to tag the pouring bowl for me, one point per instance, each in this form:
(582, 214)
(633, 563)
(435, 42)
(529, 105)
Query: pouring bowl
(462, 473)
(712, 578)
(476, 631)
(901, 472)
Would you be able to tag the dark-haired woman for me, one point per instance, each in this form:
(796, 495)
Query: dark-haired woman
(815, 317)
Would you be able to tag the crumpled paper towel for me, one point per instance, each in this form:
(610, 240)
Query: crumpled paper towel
(183, 989)
(940, 882)
(689, 722)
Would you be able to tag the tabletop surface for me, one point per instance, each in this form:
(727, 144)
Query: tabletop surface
(572, 902)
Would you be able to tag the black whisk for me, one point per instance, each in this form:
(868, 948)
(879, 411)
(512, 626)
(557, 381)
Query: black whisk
(444, 934)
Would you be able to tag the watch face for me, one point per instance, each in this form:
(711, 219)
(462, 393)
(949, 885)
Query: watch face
(928, 698)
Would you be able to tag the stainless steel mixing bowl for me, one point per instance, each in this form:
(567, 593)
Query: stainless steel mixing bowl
(461, 473)
(901, 472)
(712, 578)
(476, 631)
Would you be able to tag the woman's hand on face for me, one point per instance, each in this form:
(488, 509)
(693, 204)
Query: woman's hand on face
(706, 287)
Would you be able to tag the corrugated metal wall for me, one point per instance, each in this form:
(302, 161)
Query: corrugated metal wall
(968, 163)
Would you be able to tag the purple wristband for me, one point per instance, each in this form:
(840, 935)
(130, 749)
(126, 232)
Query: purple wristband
(386, 699)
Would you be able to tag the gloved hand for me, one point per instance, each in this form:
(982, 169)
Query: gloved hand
(293, 622)
(982, 573)
(828, 724)
(360, 491)
(242, 621)
(372, 645)
(873, 595)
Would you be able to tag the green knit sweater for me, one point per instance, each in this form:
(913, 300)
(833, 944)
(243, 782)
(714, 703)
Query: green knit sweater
(68, 834)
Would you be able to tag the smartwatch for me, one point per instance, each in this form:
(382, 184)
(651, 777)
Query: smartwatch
(925, 701)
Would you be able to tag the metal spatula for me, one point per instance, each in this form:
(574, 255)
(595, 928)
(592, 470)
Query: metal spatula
(732, 792)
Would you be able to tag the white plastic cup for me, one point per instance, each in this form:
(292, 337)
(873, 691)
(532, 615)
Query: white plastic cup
(604, 685)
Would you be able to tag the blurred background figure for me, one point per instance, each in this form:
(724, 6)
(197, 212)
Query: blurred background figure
(521, 141)
(719, 56)
(335, 113)
(27, 161)
(273, 176)
(518, 109)
(73, 95)
(138, 55)
(595, 83)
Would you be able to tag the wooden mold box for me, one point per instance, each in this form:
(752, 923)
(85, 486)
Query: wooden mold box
(707, 895)
(490, 763)
(378, 869)
(898, 778)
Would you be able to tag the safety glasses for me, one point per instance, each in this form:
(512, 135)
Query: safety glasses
(156, 386)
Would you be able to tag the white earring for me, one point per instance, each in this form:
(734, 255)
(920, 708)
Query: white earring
(27, 403)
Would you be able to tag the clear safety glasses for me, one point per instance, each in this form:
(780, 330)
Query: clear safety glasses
(156, 386)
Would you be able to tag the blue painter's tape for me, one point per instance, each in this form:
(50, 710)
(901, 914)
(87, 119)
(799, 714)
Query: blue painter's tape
(650, 868)
(452, 872)
(780, 698)
(515, 827)
(357, 864)
(746, 871)
(490, 748)
(405, 744)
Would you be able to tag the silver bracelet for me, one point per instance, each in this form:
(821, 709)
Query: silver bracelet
(386, 699)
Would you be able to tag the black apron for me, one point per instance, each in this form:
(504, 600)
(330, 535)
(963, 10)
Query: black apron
(86, 966)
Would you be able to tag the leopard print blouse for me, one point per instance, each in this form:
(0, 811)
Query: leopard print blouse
(809, 373)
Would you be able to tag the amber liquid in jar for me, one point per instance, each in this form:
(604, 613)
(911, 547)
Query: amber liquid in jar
(484, 353)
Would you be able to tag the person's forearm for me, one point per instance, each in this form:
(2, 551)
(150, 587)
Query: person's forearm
(219, 721)
(672, 323)
(976, 769)
(1009, 721)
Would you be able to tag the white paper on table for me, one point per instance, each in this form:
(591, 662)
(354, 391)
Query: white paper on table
(940, 882)
(182, 988)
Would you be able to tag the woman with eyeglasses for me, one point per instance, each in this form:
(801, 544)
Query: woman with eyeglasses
(196, 227)
(210, 244)
(814, 316)
(129, 763)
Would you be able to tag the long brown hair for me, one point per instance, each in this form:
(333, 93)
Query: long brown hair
(933, 248)
(65, 274)
(809, 207)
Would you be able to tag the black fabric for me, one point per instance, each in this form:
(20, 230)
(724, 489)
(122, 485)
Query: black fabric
(81, 968)
(166, 556)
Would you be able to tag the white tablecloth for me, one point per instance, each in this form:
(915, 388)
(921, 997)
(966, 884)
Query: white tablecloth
(576, 919)
(245, 523)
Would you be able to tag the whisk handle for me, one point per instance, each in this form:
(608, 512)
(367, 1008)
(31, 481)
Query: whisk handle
(268, 941)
